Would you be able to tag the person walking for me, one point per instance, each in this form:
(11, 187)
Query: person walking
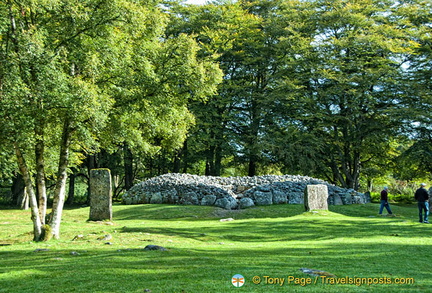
(422, 197)
(384, 202)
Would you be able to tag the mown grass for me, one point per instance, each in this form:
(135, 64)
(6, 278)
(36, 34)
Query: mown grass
(204, 253)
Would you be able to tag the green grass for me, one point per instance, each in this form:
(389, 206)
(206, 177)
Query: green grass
(204, 253)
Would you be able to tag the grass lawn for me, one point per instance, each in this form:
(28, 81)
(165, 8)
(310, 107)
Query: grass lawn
(268, 244)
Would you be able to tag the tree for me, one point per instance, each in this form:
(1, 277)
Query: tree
(215, 27)
(414, 161)
(56, 62)
(152, 95)
(244, 37)
(349, 99)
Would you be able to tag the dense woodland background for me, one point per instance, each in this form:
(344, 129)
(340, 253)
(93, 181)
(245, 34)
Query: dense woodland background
(339, 90)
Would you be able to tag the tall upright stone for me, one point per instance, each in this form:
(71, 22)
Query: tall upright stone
(100, 195)
(315, 197)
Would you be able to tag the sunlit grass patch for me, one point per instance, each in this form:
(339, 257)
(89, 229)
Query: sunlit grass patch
(203, 252)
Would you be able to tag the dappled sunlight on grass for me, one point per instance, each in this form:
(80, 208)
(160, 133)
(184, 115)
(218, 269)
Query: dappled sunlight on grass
(203, 253)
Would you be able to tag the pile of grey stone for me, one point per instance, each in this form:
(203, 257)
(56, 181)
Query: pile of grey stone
(234, 192)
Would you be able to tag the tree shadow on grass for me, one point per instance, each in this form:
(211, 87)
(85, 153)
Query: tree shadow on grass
(273, 223)
(290, 229)
(197, 269)
(348, 243)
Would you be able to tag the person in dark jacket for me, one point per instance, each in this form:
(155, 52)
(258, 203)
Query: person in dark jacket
(384, 202)
(422, 197)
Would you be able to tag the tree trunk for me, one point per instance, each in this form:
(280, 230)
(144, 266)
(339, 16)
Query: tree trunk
(185, 157)
(210, 160)
(24, 200)
(218, 161)
(370, 184)
(40, 174)
(252, 166)
(253, 139)
(18, 189)
(35, 216)
(71, 192)
(177, 161)
(338, 177)
(91, 163)
(128, 166)
(207, 168)
(60, 188)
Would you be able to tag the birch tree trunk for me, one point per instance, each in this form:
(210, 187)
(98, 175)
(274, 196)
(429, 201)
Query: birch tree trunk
(40, 175)
(35, 216)
(24, 200)
(60, 189)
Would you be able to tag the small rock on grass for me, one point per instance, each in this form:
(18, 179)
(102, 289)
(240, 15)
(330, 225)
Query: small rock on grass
(78, 237)
(105, 237)
(314, 272)
(155, 247)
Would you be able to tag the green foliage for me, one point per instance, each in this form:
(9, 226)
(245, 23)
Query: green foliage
(335, 90)
(5, 196)
(400, 198)
(160, 78)
(399, 191)
(319, 87)
(81, 74)
(345, 90)
(414, 161)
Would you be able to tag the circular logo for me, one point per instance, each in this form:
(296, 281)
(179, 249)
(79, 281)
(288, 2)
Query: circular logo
(238, 280)
(256, 280)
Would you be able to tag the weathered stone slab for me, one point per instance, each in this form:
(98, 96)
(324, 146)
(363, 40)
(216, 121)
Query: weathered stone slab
(100, 195)
(315, 197)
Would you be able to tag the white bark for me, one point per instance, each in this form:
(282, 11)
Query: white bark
(60, 189)
(40, 177)
(37, 224)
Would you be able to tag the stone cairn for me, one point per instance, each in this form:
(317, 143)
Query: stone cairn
(234, 192)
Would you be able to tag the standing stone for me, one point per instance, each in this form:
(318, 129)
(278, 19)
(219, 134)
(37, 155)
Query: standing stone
(315, 197)
(100, 195)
